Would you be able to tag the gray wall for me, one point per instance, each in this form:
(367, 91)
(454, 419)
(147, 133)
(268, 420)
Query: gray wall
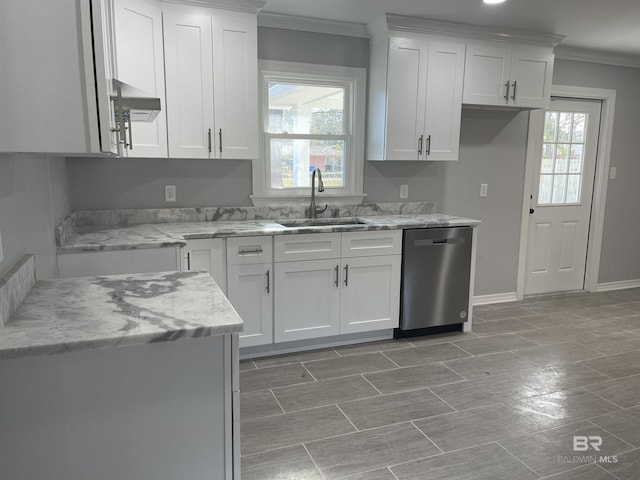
(32, 199)
(620, 258)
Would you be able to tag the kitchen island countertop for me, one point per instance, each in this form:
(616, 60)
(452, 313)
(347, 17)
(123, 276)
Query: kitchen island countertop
(66, 315)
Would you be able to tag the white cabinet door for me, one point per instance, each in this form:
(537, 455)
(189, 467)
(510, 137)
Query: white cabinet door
(486, 73)
(207, 254)
(307, 300)
(370, 296)
(140, 63)
(406, 96)
(249, 289)
(424, 99)
(444, 101)
(531, 74)
(189, 75)
(235, 71)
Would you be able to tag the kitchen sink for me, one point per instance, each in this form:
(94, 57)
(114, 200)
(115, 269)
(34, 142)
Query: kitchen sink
(321, 222)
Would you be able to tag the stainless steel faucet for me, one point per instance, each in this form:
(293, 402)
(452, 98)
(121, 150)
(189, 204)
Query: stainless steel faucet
(313, 210)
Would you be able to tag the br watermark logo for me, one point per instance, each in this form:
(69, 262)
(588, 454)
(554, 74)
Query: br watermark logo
(587, 443)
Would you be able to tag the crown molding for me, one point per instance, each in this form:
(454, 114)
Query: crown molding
(595, 56)
(317, 25)
(401, 23)
(247, 6)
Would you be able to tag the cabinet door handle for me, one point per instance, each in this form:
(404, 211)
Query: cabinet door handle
(268, 282)
(209, 139)
(130, 132)
(188, 261)
(336, 281)
(220, 135)
(508, 85)
(420, 139)
(346, 275)
(428, 145)
(256, 251)
(515, 85)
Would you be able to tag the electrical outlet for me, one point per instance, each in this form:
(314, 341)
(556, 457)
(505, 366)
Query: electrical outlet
(613, 173)
(169, 193)
(1, 251)
(404, 191)
(483, 189)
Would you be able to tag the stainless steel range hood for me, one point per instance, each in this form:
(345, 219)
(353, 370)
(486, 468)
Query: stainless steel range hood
(136, 105)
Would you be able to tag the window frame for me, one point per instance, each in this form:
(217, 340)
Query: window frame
(353, 80)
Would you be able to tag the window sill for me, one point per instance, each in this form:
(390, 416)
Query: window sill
(279, 200)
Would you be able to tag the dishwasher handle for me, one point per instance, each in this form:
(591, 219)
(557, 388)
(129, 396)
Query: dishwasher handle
(438, 241)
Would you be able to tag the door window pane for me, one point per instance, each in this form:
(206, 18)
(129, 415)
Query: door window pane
(562, 154)
(559, 189)
(544, 191)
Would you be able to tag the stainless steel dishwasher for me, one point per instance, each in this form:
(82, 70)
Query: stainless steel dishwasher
(436, 269)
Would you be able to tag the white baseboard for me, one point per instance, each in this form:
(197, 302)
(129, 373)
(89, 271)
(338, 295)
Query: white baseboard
(609, 286)
(495, 298)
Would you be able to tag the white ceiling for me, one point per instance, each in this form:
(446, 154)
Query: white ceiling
(600, 25)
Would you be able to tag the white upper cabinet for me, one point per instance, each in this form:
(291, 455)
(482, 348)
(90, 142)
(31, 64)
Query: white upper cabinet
(211, 64)
(55, 76)
(139, 62)
(415, 98)
(508, 76)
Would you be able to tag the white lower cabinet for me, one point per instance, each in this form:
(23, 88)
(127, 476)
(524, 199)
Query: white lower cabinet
(350, 293)
(250, 286)
(207, 254)
(307, 299)
(250, 291)
(370, 293)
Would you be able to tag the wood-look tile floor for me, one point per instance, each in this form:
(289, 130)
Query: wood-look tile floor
(504, 402)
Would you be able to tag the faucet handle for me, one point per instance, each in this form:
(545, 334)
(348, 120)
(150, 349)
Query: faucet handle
(322, 210)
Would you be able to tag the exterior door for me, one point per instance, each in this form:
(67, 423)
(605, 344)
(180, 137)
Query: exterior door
(560, 206)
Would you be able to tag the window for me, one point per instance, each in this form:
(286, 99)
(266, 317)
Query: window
(313, 117)
(561, 169)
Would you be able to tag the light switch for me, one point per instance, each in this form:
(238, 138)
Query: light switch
(169, 193)
(404, 191)
(483, 189)
(612, 173)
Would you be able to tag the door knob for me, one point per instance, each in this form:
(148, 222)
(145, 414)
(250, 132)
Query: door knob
(531, 211)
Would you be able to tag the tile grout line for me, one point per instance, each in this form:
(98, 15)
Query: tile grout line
(277, 401)
(518, 459)
(372, 385)
(347, 417)
(633, 447)
(426, 436)
(308, 371)
(620, 407)
(610, 473)
(443, 400)
(314, 462)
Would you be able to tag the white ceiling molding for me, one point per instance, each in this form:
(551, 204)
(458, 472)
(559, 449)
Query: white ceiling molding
(248, 6)
(401, 23)
(316, 25)
(593, 56)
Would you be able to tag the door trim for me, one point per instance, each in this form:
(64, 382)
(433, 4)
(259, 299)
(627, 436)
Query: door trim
(598, 203)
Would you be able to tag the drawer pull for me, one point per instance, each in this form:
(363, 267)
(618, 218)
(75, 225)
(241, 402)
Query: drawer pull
(337, 281)
(256, 251)
(346, 275)
(268, 282)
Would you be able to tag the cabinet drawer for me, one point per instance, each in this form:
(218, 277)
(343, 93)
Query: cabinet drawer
(367, 244)
(311, 246)
(249, 250)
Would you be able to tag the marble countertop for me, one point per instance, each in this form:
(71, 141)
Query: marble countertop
(59, 316)
(175, 234)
